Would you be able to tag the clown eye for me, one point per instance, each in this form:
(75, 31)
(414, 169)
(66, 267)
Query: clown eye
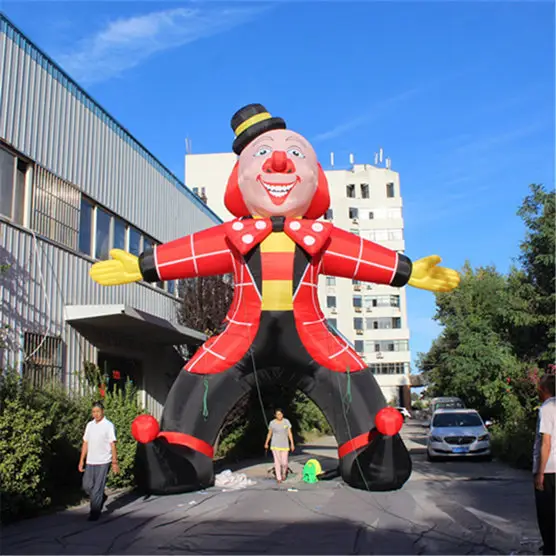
(297, 153)
(263, 151)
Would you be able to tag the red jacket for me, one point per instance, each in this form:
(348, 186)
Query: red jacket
(230, 248)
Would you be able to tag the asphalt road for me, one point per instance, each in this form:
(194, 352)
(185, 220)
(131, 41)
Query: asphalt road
(455, 507)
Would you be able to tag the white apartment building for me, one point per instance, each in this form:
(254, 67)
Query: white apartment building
(366, 200)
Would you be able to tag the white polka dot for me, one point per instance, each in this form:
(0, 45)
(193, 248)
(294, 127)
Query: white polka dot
(295, 226)
(308, 240)
(260, 225)
(317, 227)
(247, 238)
(237, 226)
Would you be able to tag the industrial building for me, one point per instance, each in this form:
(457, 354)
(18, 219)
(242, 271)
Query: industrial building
(73, 185)
(366, 200)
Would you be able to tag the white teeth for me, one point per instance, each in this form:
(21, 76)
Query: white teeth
(278, 190)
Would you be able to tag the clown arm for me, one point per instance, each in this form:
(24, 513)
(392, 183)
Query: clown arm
(351, 256)
(205, 253)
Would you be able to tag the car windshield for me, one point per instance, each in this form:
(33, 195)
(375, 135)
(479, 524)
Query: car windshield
(449, 405)
(457, 420)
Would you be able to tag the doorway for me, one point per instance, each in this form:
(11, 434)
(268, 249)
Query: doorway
(119, 370)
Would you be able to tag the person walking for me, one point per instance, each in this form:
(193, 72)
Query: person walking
(281, 442)
(98, 454)
(544, 463)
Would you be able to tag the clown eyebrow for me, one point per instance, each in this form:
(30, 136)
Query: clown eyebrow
(296, 138)
(263, 139)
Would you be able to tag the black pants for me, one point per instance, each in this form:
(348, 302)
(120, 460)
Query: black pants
(545, 501)
(277, 354)
(94, 481)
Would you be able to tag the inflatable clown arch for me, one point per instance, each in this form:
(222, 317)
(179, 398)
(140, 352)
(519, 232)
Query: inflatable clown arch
(276, 249)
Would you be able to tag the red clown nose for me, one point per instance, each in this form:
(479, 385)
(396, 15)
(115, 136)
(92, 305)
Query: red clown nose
(145, 428)
(388, 421)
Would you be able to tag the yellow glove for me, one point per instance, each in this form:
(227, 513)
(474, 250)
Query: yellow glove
(123, 268)
(425, 275)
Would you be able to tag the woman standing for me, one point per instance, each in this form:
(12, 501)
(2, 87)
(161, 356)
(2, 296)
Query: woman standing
(281, 442)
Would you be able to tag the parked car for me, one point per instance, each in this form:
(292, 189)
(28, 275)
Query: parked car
(406, 414)
(446, 403)
(458, 432)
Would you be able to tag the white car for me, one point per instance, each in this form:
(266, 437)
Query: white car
(458, 432)
(404, 412)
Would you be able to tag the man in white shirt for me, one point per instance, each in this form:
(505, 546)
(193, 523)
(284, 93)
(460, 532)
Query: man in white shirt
(99, 447)
(544, 463)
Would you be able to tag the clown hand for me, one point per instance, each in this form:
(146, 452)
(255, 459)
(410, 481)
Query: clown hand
(426, 275)
(123, 268)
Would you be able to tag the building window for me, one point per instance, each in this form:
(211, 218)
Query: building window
(358, 323)
(135, 247)
(102, 235)
(390, 190)
(350, 190)
(355, 231)
(365, 191)
(390, 345)
(56, 208)
(86, 227)
(371, 215)
(333, 322)
(397, 368)
(13, 172)
(383, 323)
(329, 214)
(120, 234)
(171, 287)
(357, 301)
(331, 301)
(353, 212)
(358, 344)
(330, 280)
(43, 364)
(370, 301)
(385, 235)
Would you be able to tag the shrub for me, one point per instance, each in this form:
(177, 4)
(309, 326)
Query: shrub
(513, 443)
(121, 407)
(41, 433)
(22, 446)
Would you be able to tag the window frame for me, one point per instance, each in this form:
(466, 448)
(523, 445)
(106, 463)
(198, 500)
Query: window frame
(19, 211)
(390, 190)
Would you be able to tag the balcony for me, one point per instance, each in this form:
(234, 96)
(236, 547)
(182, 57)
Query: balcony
(357, 287)
(359, 332)
(358, 309)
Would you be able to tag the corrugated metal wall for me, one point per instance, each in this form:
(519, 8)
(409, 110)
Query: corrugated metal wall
(49, 119)
(41, 279)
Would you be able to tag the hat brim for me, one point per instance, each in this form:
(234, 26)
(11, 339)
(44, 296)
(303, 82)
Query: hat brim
(251, 133)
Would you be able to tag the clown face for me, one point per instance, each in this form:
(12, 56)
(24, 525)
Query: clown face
(278, 174)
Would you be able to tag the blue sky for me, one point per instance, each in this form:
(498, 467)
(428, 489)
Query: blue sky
(459, 94)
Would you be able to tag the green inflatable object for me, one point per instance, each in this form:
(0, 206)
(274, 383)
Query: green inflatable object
(311, 471)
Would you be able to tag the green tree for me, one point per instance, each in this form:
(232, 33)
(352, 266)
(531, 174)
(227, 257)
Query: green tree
(473, 357)
(496, 328)
(534, 284)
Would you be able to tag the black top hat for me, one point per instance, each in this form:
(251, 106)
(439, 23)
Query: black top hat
(251, 121)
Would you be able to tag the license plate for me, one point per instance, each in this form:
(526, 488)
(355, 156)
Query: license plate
(460, 450)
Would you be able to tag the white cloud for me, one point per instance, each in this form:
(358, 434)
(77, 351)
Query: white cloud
(126, 43)
(368, 116)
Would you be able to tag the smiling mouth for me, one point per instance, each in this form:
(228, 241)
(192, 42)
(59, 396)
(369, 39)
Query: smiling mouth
(278, 191)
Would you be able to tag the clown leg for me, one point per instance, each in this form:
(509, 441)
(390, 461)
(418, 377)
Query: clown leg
(180, 459)
(369, 460)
